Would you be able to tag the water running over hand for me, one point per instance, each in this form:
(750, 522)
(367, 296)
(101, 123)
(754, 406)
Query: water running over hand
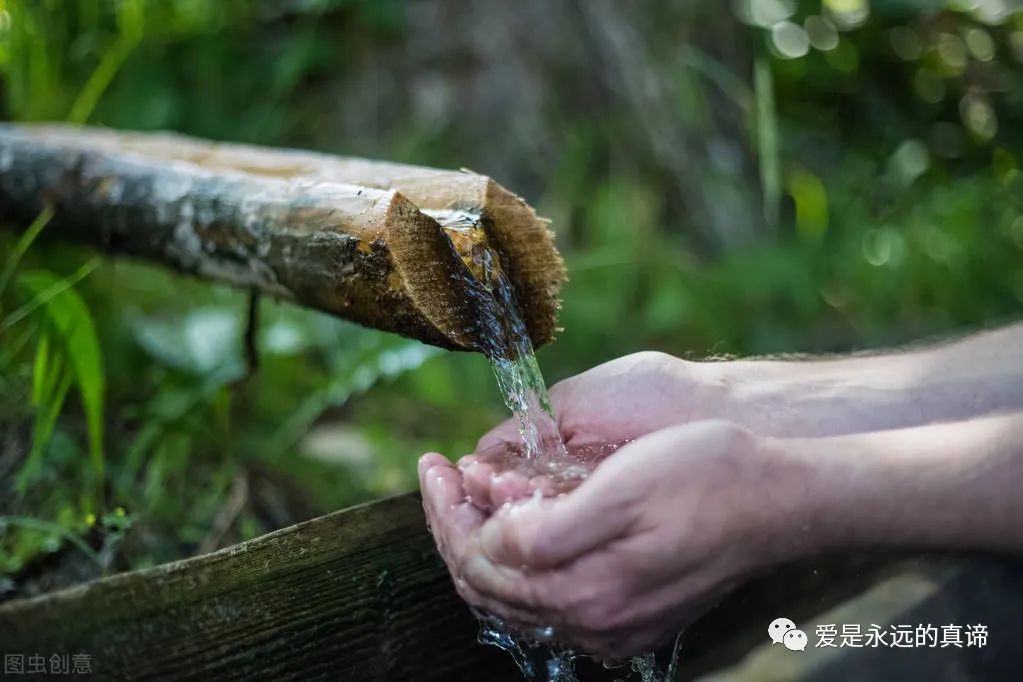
(543, 456)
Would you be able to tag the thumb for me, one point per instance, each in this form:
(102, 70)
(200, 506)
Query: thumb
(542, 533)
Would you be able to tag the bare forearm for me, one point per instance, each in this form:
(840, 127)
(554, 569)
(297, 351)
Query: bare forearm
(944, 486)
(978, 375)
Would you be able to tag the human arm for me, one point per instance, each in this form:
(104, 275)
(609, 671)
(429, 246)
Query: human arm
(632, 396)
(956, 380)
(953, 485)
(636, 394)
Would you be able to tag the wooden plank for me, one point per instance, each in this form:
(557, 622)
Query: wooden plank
(362, 595)
(357, 595)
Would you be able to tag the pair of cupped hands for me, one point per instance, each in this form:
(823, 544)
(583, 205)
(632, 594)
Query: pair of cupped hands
(650, 539)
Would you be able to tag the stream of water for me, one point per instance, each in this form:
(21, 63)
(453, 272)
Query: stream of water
(543, 453)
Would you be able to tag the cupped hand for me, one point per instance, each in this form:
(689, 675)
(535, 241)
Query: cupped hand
(597, 411)
(658, 532)
(624, 399)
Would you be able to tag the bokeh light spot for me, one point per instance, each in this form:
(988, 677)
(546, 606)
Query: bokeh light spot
(789, 40)
(883, 246)
(822, 33)
(991, 12)
(978, 115)
(764, 13)
(848, 14)
(909, 161)
(952, 52)
(980, 44)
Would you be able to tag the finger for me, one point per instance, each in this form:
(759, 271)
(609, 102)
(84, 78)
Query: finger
(512, 615)
(440, 481)
(496, 607)
(477, 475)
(454, 518)
(426, 462)
(509, 591)
(467, 461)
(545, 533)
(455, 524)
(430, 459)
(511, 486)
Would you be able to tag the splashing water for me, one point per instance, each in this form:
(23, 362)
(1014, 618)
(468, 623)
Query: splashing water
(540, 657)
(543, 452)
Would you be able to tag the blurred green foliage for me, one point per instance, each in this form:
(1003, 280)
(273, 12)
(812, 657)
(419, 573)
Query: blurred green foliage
(839, 175)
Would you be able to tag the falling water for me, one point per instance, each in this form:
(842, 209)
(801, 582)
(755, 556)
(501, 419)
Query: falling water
(543, 452)
(505, 338)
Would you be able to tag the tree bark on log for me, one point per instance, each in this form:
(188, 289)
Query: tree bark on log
(353, 237)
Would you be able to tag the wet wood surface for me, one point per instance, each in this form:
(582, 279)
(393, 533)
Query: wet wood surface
(357, 595)
(361, 594)
(355, 238)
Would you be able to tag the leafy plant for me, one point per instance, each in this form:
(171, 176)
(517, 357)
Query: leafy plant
(68, 353)
(886, 153)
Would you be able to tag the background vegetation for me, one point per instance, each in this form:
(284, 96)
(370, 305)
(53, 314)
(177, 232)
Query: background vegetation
(769, 176)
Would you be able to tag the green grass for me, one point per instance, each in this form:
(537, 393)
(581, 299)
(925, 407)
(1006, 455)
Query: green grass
(125, 387)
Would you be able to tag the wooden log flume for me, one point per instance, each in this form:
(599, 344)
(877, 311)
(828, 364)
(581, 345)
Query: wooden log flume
(356, 238)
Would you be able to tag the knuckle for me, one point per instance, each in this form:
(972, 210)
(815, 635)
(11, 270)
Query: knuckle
(465, 593)
(651, 362)
(651, 356)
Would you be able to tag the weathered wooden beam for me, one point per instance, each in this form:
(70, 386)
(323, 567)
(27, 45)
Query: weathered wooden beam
(357, 595)
(354, 237)
(362, 595)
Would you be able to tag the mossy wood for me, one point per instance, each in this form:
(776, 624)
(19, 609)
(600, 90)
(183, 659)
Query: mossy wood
(356, 595)
(356, 238)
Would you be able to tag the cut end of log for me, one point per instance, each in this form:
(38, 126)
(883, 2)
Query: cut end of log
(527, 250)
(349, 236)
(430, 272)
